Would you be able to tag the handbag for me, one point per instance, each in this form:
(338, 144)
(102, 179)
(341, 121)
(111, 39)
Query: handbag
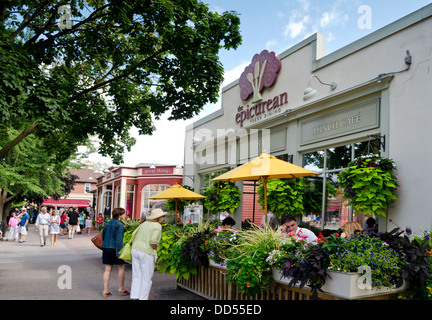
(98, 240)
(126, 251)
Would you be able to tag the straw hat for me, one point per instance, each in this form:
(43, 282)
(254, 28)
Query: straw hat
(156, 213)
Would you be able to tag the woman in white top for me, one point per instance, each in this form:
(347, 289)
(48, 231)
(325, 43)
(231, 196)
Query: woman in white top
(54, 227)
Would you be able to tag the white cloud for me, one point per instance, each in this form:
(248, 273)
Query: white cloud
(296, 25)
(271, 43)
(333, 17)
(305, 4)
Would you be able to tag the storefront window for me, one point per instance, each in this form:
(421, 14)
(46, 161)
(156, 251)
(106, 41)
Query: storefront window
(106, 200)
(117, 197)
(149, 190)
(332, 212)
(206, 179)
(130, 195)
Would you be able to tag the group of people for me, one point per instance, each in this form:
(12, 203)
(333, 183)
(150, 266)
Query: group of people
(17, 226)
(46, 223)
(144, 253)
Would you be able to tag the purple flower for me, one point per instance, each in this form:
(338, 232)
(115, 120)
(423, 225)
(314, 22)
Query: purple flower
(408, 231)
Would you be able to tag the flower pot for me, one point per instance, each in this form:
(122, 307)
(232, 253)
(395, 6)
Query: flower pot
(217, 265)
(278, 277)
(345, 285)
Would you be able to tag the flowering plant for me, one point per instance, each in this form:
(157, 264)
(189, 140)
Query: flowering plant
(288, 245)
(246, 261)
(222, 196)
(219, 243)
(282, 194)
(385, 263)
(129, 227)
(369, 184)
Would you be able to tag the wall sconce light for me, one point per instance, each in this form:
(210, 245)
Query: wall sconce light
(311, 92)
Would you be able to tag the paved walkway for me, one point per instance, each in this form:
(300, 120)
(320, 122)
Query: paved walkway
(31, 272)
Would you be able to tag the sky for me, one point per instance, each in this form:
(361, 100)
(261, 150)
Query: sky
(275, 25)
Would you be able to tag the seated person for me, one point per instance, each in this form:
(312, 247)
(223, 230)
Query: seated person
(350, 228)
(227, 224)
(371, 225)
(289, 224)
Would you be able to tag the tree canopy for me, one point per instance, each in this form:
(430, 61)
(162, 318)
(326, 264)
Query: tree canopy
(80, 68)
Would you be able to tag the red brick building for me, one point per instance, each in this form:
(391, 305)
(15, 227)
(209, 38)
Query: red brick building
(81, 196)
(129, 187)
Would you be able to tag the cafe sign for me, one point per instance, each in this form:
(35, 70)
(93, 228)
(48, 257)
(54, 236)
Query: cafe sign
(345, 121)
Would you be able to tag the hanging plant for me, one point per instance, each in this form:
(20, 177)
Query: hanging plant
(283, 196)
(369, 184)
(227, 198)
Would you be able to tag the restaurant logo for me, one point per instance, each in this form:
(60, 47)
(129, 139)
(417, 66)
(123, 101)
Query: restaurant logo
(261, 73)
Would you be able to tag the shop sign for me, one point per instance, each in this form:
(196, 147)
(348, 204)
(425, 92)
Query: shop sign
(345, 121)
(262, 73)
(150, 171)
(261, 110)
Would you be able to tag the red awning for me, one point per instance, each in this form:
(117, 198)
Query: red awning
(80, 203)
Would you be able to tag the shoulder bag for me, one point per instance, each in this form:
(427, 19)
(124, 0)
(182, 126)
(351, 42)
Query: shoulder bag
(126, 251)
(98, 240)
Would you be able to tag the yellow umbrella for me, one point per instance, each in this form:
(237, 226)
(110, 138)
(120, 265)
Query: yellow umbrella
(177, 192)
(263, 168)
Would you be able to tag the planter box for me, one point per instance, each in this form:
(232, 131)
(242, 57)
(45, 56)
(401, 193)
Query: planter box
(277, 277)
(218, 265)
(343, 285)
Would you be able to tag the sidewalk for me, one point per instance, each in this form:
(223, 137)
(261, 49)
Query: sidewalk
(31, 272)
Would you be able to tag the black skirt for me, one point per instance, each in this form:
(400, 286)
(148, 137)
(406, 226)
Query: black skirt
(109, 257)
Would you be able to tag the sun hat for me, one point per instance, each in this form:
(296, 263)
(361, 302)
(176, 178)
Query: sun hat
(156, 213)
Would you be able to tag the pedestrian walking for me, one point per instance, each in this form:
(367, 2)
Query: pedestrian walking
(42, 225)
(144, 254)
(112, 235)
(99, 221)
(23, 226)
(13, 227)
(73, 222)
(81, 219)
(54, 227)
(88, 224)
(63, 222)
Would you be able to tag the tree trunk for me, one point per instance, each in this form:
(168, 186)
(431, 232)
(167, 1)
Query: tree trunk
(8, 147)
(5, 203)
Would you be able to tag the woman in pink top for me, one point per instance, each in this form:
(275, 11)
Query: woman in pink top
(13, 227)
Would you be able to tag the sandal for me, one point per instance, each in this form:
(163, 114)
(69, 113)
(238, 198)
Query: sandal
(124, 293)
(106, 294)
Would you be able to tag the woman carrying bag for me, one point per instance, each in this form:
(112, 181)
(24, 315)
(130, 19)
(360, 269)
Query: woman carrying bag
(112, 236)
(144, 254)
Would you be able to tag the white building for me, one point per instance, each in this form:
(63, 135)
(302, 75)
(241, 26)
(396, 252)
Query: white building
(377, 89)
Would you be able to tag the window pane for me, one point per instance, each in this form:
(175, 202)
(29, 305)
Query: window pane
(339, 157)
(314, 161)
(367, 148)
(312, 200)
(148, 191)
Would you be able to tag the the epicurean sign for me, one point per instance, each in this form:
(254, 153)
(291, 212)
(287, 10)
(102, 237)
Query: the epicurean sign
(261, 73)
